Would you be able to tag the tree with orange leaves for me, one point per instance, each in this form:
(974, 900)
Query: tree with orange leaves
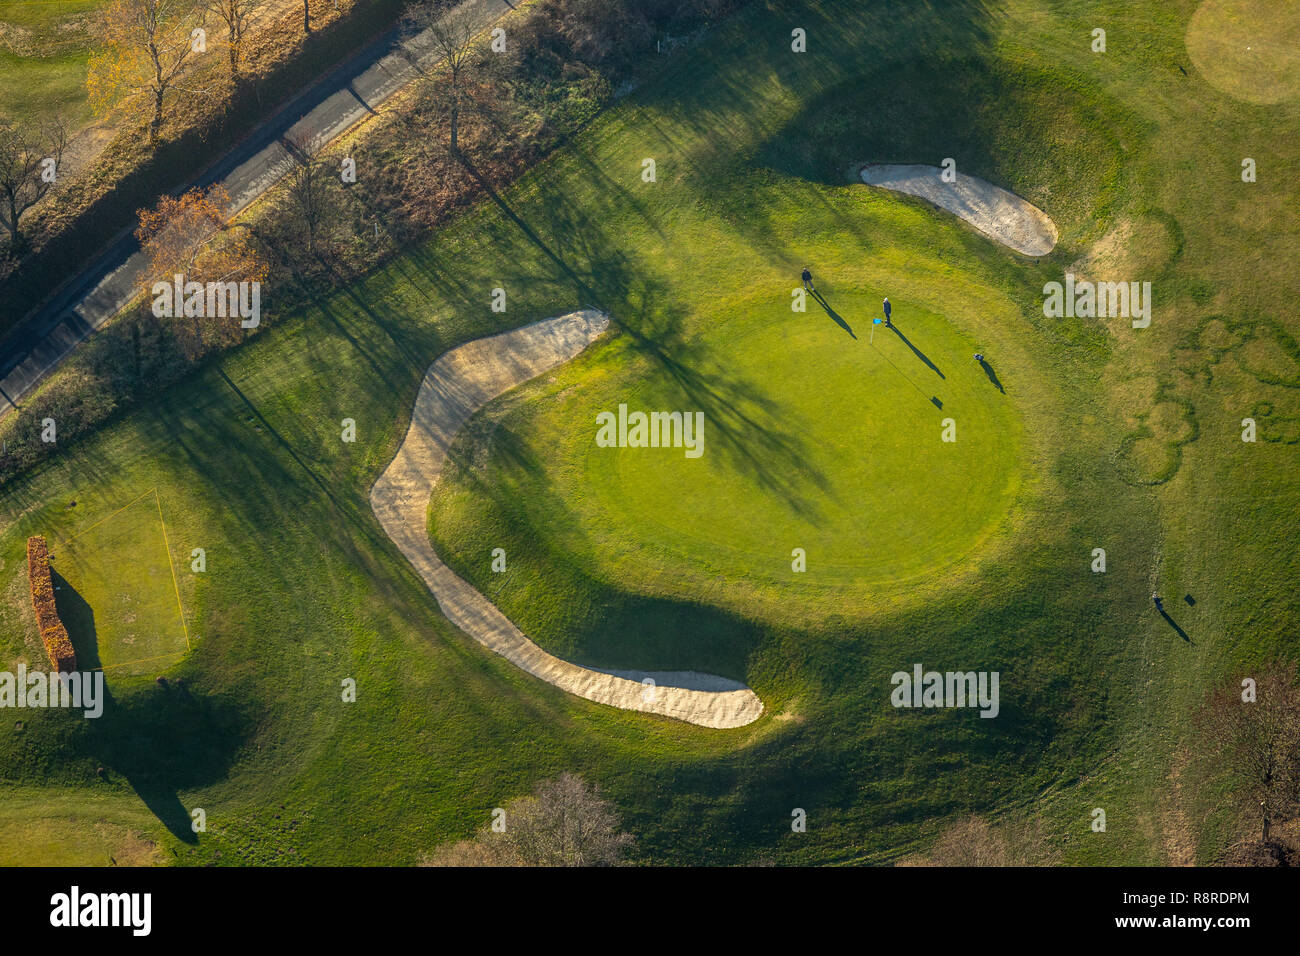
(191, 236)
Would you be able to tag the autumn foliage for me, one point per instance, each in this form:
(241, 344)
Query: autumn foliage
(191, 235)
(55, 636)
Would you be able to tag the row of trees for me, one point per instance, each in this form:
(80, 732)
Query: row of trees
(502, 110)
(148, 48)
(146, 55)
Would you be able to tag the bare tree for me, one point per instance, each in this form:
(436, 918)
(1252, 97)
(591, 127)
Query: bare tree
(308, 188)
(235, 14)
(147, 45)
(448, 38)
(566, 822)
(29, 167)
(1253, 734)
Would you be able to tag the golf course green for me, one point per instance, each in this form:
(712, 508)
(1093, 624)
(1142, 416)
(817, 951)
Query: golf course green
(823, 432)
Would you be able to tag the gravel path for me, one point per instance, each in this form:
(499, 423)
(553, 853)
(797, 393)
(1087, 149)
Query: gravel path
(1000, 215)
(455, 386)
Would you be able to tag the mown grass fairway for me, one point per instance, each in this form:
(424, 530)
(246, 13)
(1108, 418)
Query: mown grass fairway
(49, 828)
(972, 556)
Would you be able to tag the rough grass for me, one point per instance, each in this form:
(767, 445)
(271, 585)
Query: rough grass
(55, 828)
(44, 47)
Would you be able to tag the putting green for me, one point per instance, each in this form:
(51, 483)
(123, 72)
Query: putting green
(1249, 49)
(819, 434)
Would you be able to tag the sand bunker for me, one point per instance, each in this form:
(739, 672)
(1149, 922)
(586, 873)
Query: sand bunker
(454, 388)
(1249, 49)
(1000, 215)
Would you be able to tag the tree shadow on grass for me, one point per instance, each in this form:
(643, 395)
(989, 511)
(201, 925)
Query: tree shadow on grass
(599, 623)
(162, 740)
(743, 423)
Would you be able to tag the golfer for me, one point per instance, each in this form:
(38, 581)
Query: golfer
(887, 325)
(807, 279)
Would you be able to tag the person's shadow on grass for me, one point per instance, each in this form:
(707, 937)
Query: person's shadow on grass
(1174, 624)
(839, 320)
(915, 351)
(993, 376)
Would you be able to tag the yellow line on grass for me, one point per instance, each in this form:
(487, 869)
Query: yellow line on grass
(171, 564)
(151, 491)
(142, 660)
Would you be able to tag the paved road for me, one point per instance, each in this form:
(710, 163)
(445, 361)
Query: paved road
(321, 114)
(457, 385)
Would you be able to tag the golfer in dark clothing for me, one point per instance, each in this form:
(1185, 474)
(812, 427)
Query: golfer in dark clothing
(807, 279)
(887, 325)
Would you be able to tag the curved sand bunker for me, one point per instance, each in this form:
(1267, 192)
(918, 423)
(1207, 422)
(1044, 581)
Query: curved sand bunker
(1000, 215)
(454, 388)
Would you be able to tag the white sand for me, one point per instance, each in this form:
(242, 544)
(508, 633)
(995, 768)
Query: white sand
(1000, 215)
(455, 386)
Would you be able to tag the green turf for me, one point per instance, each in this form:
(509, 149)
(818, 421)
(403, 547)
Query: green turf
(43, 54)
(1106, 437)
(812, 439)
(118, 590)
(52, 828)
